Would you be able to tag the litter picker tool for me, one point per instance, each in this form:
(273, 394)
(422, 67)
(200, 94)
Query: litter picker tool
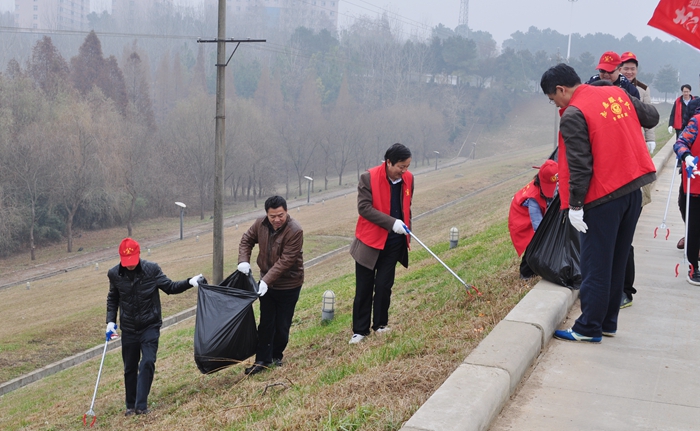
(663, 226)
(690, 172)
(99, 373)
(467, 286)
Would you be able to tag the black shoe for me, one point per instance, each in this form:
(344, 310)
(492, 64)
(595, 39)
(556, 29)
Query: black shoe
(277, 362)
(129, 412)
(257, 367)
(694, 277)
(142, 412)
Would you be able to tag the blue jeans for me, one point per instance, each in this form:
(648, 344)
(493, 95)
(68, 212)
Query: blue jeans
(276, 313)
(138, 376)
(604, 250)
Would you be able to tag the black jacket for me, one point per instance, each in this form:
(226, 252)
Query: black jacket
(138, 301)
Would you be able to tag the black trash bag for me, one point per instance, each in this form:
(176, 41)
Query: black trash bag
(225, 332)
(554, 252)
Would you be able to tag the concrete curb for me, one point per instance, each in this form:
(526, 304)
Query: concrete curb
(490, 374)
(476, 392)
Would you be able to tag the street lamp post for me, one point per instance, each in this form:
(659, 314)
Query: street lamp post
(568, 50)
(437, 154)
(308, 189)
(182, 215)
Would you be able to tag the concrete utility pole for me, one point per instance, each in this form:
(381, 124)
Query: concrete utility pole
(220, 140)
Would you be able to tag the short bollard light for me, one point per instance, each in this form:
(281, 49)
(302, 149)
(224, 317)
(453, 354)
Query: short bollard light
(328, 308)
(454, 237)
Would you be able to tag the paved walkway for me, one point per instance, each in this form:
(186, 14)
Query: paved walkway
(645, 378)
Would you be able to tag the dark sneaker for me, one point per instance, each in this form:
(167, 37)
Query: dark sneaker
(129, 412)
(681, 244)
(626, 301)
(694, 277)
(142, 412)
(277, 362)
(257, 367)
(570, 335)
(609, 333)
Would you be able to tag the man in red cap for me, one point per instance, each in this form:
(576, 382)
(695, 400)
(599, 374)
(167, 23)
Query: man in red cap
(133, 291)
(527, 209)
(609, 70)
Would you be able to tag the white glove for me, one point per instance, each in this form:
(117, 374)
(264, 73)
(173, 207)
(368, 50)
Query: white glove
(576, 219)
(651, 146)
(670, 129)
(194, 281)
(398, 227)
(244, 267)
(262, 288)
(111, 330)
(690, 162)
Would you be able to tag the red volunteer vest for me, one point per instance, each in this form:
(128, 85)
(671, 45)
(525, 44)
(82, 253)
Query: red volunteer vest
(620, 155)
(519, 223)
(695, 151)
(374, 235)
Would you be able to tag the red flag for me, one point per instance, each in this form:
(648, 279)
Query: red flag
(679, 18)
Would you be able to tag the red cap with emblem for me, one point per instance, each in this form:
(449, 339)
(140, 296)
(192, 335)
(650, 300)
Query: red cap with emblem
(129, 252)
(609, 61)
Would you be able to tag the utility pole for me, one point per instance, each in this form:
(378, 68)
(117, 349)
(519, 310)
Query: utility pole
(220, 139)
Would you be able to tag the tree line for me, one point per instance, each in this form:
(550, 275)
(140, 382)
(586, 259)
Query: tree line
(103, 140)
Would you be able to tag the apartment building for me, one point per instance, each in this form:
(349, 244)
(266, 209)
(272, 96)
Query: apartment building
(52, 14)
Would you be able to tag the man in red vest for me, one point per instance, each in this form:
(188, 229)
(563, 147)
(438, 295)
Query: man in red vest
(527, 209)
(384, 196)
(603, 162)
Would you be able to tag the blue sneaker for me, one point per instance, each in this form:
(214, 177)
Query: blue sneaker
(609, 333)
(570, 335)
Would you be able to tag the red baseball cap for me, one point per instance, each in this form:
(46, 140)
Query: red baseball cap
(628, 56)
(129, 252)
(549, 175)
(609, 61)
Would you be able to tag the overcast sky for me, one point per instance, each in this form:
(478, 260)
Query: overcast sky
(501, 18)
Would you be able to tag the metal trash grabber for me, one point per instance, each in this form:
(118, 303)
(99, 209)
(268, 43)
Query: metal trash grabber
(467, 286)
(690, 172)
(668, 201)
(99, 373)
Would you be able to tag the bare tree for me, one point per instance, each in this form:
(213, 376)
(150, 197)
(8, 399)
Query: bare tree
(190, 130)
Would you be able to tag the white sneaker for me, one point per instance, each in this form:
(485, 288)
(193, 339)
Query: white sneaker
(356, 338)
(383, 329)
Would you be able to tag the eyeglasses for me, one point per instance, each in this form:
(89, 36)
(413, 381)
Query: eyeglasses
(551, 101)
(605, 72)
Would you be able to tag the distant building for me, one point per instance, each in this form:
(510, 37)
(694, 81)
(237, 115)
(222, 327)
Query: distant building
(128, 11)
(52, 14)
(314, 14)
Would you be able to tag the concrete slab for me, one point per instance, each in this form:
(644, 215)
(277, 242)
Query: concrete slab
(545, 309)
(511, 346)
(468, 401)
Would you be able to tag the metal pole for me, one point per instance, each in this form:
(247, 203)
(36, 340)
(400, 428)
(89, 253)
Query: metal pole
(220, 148)
(182, 216)
(308, 191)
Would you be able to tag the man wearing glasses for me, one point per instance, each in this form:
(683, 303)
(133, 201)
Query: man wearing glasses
(609, 70)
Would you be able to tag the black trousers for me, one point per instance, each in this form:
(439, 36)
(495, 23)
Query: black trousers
(628, 286)
(604, 250)
(373, 290)
(692, 242)
(139, 354)
(276, 313)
